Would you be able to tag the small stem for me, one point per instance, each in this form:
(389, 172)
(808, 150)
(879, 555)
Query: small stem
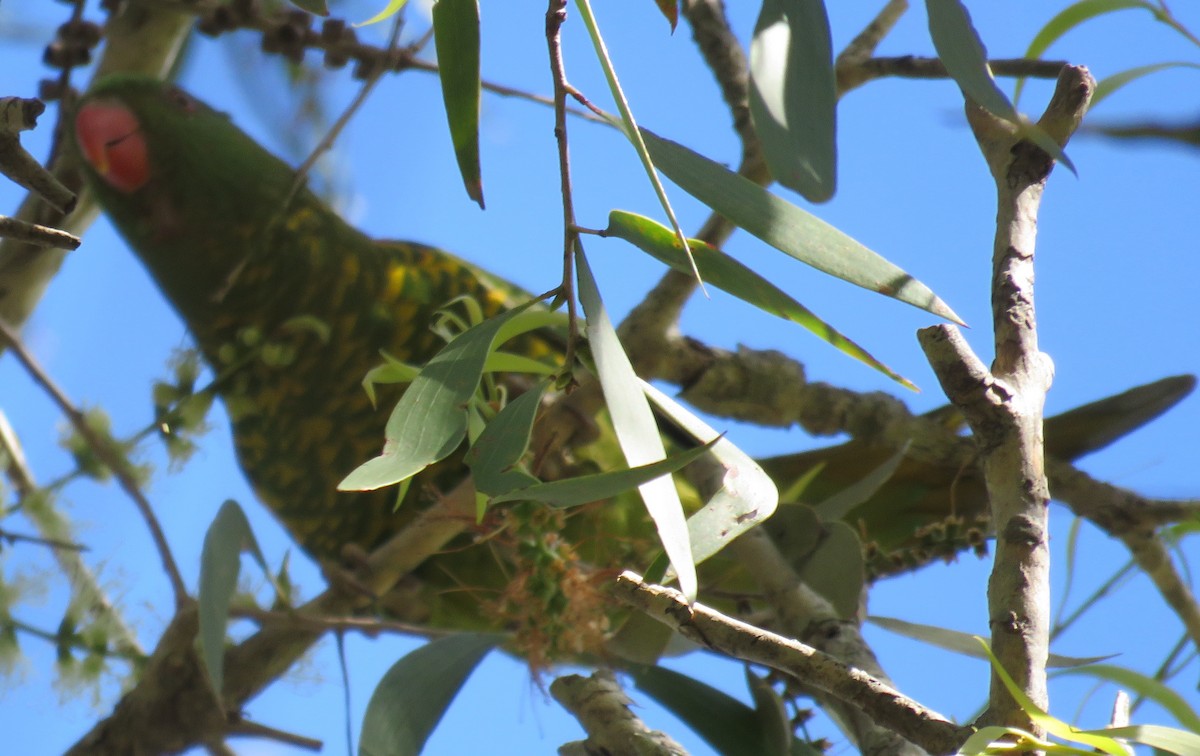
(556, 15)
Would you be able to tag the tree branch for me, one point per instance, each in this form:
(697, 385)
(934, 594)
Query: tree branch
(1004, 405)
(603, 709)
(734, 638)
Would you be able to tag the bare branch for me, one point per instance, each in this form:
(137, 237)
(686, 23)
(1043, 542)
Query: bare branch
(1004, 405)
(734, 638)
(809, 618)
(603, 709)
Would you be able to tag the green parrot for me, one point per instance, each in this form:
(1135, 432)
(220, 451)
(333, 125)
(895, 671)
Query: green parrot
(250, 260)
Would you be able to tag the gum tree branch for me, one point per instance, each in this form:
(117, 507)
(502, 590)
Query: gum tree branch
(1003, 404)
(173, 706)
(732, 637)
(809, 618)
(601, 706)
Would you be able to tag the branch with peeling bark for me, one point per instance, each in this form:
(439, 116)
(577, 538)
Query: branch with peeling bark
(603, 709)
(732, 637)
(1004, 405)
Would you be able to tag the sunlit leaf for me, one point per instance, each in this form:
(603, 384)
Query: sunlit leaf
(430, 420)
(1052, 725)
(627, 124)
(788, 228)
(635, 428)
(1146, 687)
(1178, 742)
(727, 274)
(746, 496)
(584, 489)
(960, 49)
(793, 95)
(456, 38)
(1110, 84)
(392, 8)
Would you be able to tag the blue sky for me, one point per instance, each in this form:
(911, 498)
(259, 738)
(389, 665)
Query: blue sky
(1116, 278)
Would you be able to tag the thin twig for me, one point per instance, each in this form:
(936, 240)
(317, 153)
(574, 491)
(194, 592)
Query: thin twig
(506, 91)
(105, 454)
(33, 233)
(53, 543)
(339, 125)
(556, 15)
(247, 728)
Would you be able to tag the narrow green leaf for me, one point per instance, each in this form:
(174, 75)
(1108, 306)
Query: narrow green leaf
(747, 496)
(788, 228)
(967, 644)
(494, 456)
(456, 38)
(1073, 16)
(220, 562)
(793, 95)
(634, 425)
(960, 49)
(1178, 742)
(965, 58)
(627, 124)
(1068, 19)
(507, 362)
(392, 8)
(391, 371)
(773, 719)
(731, 276)
(1146, 687)
(430, 420)
(414, 694)
(585, 489)
(1110, 84)
(533, 318)
(728, 725)
(1052, 725)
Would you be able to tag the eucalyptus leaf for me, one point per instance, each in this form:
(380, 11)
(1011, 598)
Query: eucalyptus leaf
(788, 228)
(793, 95)
(731, 727)
(415, 693)
(727, 274)
(430, 420)
(456, 39)
(635, 428)
(495, 455)
(220, 563)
